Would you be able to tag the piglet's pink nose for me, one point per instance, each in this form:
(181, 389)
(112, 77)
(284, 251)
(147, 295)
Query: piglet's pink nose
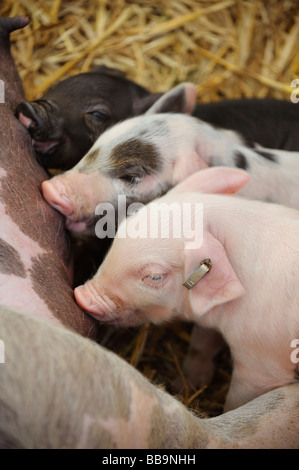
(56, 198)
(86, 301)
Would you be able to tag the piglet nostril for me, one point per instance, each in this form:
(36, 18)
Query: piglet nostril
(57, 200)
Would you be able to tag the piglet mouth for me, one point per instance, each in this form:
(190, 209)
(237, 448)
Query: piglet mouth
(132, 319)
(80, 225)
(44, 147)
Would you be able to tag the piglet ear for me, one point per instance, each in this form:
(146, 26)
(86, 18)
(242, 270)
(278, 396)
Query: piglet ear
(142, 105)
(216, 180)
(180, 99)
(219, 285)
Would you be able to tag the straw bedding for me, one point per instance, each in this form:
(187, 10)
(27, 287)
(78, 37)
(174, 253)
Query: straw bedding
(229, 49)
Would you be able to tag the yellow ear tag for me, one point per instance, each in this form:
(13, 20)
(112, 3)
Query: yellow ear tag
(199, 272)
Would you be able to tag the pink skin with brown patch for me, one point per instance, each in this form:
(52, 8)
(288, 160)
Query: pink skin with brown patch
(244, 296)
(35, 261)
(113, 406)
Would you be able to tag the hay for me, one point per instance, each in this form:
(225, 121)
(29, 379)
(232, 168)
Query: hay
(229, 49)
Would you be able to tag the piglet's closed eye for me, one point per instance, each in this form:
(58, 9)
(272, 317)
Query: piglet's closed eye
(219, 285)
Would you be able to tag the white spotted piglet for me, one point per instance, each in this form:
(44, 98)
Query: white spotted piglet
(143, 157)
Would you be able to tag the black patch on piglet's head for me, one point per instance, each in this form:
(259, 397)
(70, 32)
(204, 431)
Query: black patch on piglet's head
(268, 155)
(241, 161)
(134, 158)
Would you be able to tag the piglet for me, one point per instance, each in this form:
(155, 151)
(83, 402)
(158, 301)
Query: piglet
(69, 118)
(72, 114)
(249, 251)
(145, 156)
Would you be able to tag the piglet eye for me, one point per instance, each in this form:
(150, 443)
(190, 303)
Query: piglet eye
(131, 179)
(155, 278)
(155, 281)
(98, 115)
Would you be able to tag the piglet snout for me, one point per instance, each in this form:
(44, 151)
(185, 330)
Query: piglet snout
(26, 121)
(91, 302)
(54, 195)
